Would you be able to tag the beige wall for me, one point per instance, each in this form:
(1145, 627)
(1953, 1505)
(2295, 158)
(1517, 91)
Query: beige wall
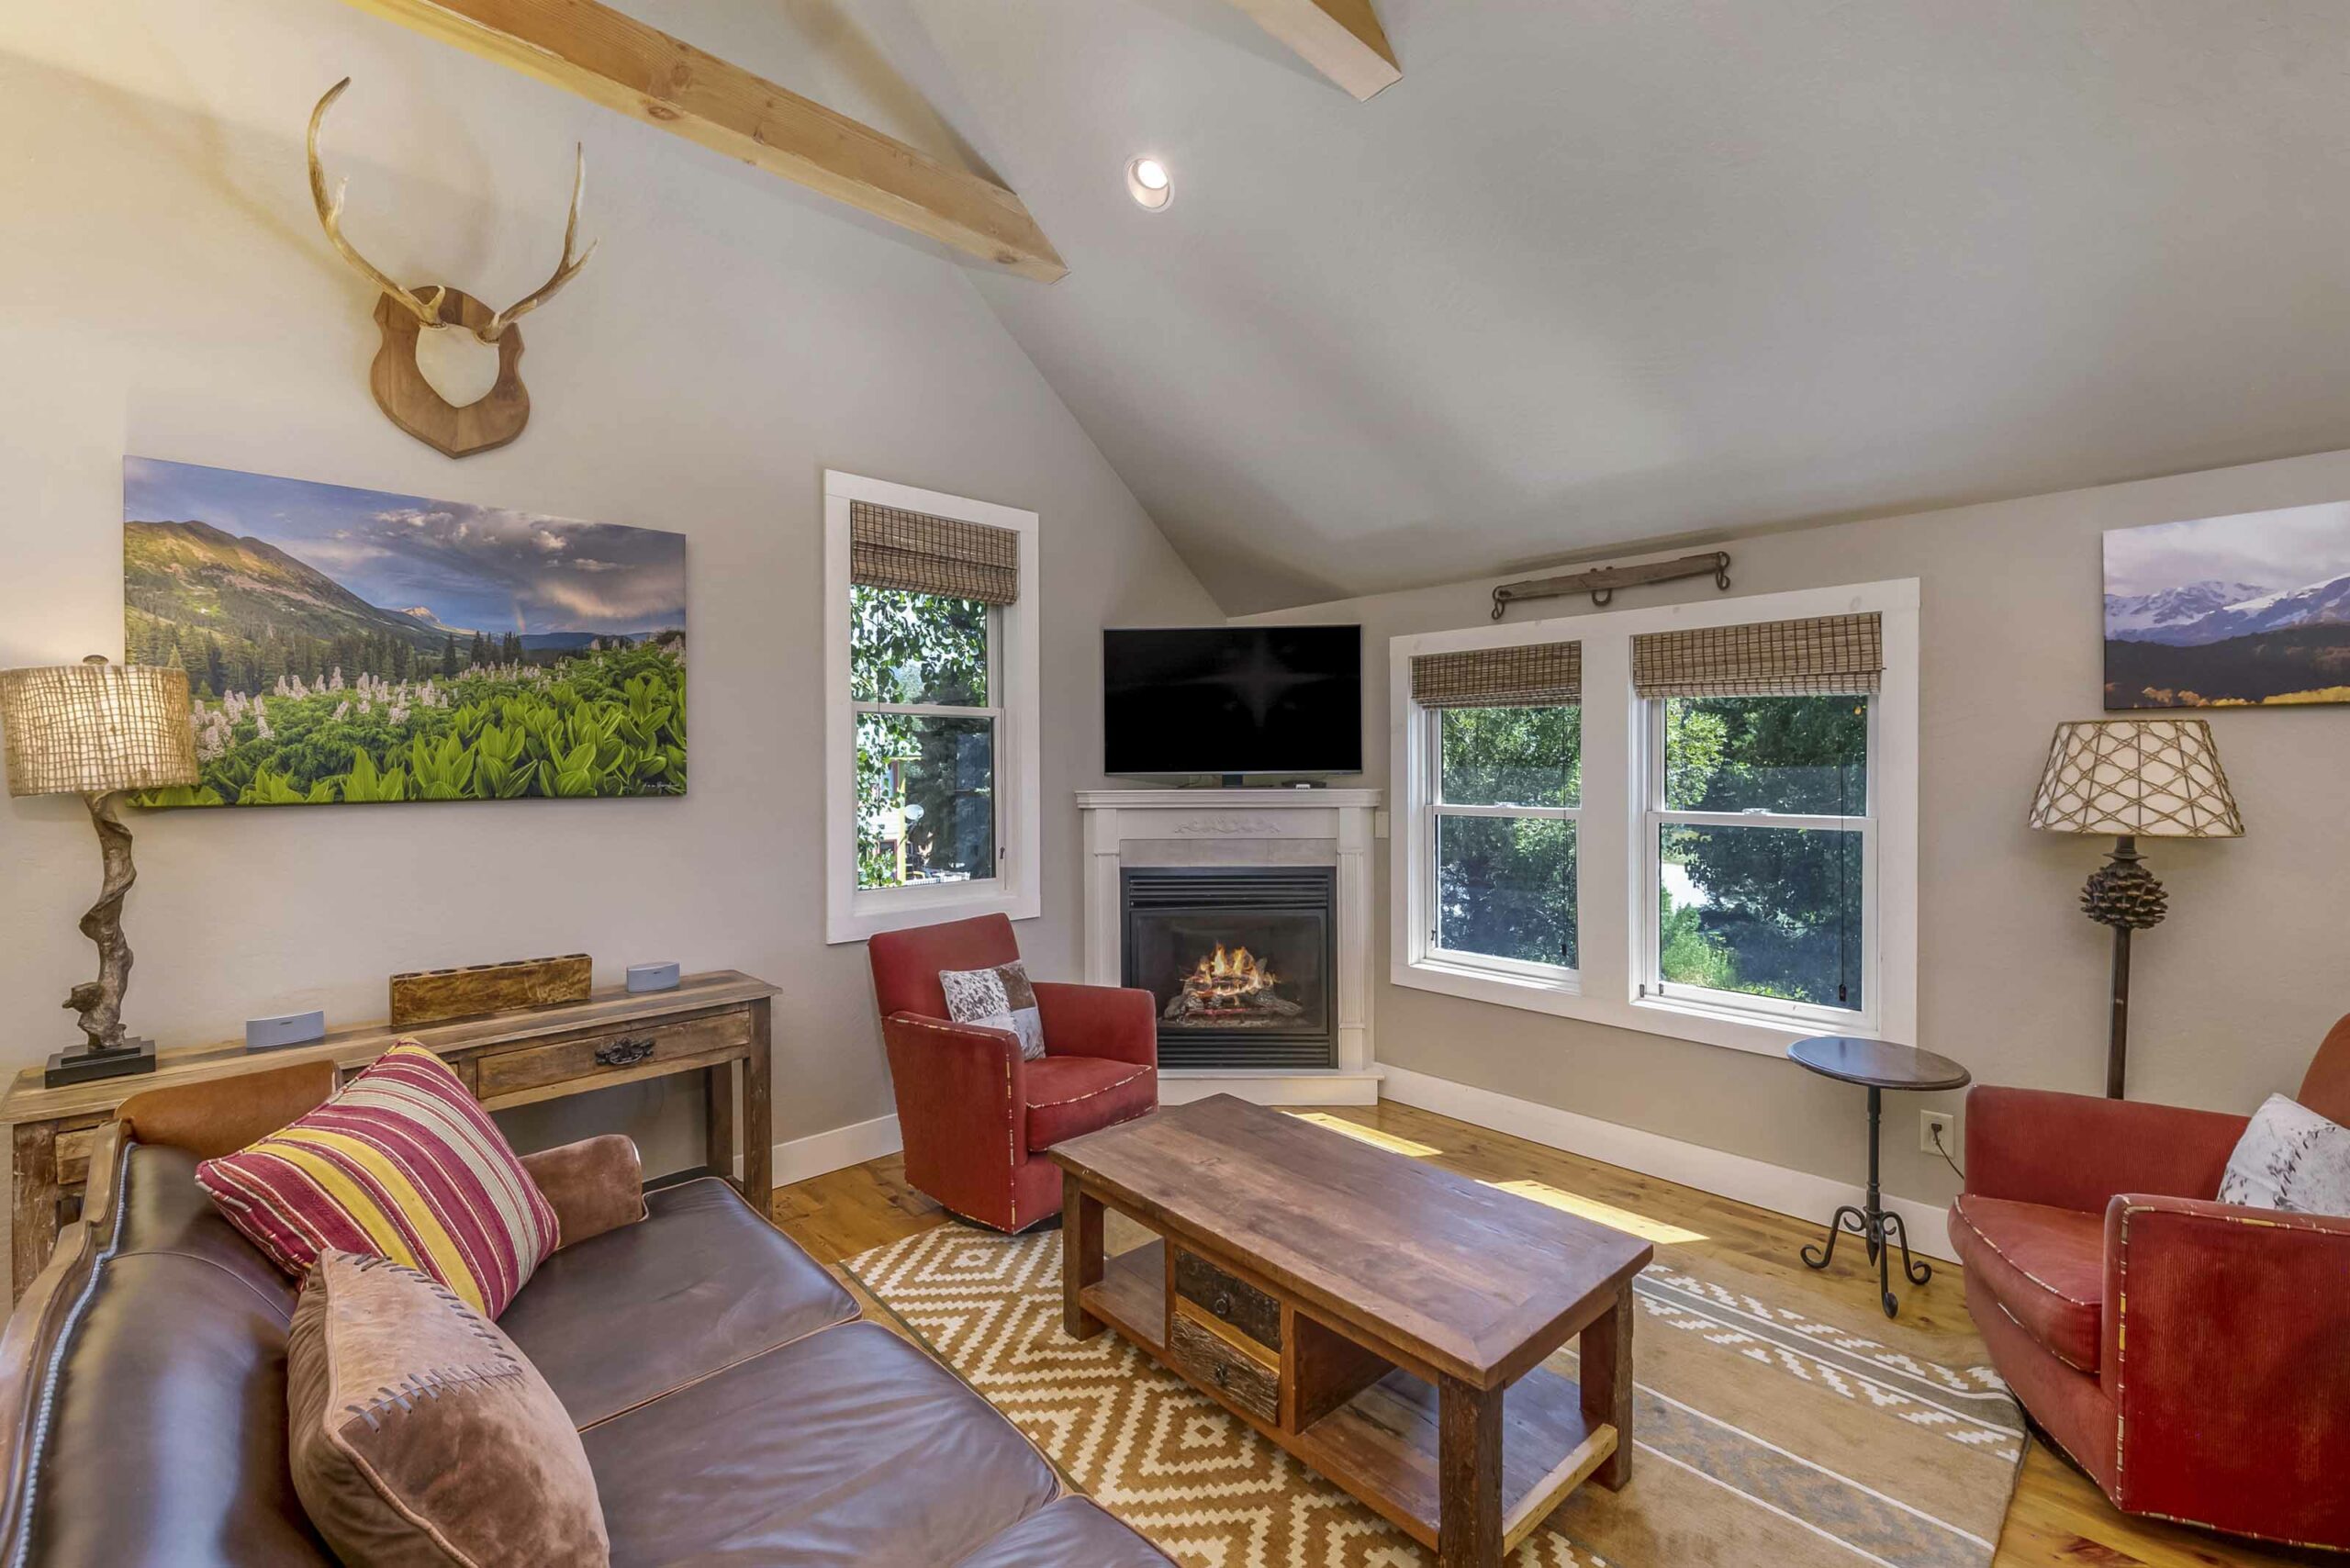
(2231, 993)
(164, 290)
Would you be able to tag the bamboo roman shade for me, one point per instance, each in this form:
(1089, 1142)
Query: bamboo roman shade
(917, 552)
(1531, 675)
(1831, 655)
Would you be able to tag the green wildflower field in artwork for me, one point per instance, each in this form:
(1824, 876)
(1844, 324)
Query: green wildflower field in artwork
(607, 721)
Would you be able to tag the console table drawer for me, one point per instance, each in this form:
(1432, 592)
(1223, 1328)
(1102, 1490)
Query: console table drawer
(504, 1073)
(1201, 1353)
(1228, 1299)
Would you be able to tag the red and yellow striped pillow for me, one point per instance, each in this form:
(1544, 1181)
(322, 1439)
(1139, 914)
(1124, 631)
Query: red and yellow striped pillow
(402, 1164)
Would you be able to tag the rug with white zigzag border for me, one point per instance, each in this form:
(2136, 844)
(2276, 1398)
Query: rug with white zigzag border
(1768, 1437)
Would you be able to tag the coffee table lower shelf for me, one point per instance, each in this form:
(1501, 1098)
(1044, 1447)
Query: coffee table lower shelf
(1381, 1445)
(1131, 1296)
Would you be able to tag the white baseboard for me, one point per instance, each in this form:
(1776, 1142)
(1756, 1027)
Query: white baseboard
(1798, 1194)
(840, 1146)
(1180, 1086)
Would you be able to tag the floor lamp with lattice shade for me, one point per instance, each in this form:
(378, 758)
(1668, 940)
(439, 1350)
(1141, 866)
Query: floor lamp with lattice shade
(2132, 778)
(95, 729)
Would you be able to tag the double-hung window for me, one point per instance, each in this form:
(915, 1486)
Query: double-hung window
(1757, 836)
(931, 749)
(1501, 737)
(1694, 819)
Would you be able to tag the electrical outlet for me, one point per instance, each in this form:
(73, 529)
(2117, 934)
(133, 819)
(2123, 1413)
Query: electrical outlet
(1929, 1124)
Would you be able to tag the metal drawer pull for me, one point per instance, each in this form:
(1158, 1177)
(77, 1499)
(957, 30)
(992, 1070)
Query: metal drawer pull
(624, 1053)
(1224, 1306)
(1223, 1374)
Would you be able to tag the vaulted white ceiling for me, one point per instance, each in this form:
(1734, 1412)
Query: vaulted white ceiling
(1598, 272)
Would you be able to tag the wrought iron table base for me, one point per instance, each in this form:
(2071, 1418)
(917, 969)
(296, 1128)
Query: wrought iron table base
(1879, 1229)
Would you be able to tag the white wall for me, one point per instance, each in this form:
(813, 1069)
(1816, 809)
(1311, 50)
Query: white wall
(164, 290)
(2231, 994)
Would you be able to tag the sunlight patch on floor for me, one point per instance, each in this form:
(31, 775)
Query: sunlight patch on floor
(1646, 1230)
(1357, 1131)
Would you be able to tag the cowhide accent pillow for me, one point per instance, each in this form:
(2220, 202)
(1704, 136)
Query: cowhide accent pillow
(1000, 998)
(2290, 1158)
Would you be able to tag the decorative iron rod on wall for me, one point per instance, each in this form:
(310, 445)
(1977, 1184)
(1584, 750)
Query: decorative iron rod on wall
(1601, 582)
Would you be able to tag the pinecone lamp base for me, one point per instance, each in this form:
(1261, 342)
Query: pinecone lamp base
(2127, 777)
(2123, 894)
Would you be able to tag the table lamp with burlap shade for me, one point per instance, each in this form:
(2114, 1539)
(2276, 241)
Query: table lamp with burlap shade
(2132, 778)
(95, 729)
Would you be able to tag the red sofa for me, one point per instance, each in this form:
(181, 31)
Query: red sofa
(977, 1119)
(2192, 1357)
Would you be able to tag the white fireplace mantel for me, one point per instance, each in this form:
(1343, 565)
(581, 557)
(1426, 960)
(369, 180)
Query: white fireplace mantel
(1244, 827)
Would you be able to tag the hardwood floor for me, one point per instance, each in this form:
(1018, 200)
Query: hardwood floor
(2058, 1519)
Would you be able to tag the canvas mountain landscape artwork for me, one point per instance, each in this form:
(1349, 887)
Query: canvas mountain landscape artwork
(355, 646)
(2225, 612)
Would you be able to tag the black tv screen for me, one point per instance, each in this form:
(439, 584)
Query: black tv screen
(1232, 699)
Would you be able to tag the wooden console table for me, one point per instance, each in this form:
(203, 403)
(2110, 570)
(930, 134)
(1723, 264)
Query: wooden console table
(1383, 1320)
(707, 1025)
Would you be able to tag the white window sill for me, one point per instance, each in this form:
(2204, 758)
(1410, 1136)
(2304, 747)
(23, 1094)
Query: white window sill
(1728, 1028)
(898, 908)
(1760, 1031)
(1559, 993)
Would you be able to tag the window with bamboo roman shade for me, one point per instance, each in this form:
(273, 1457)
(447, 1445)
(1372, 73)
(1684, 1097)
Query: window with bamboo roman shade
(916, 552)
(1531, 675)
(1828, 656)
(1502, 732)
(933, 764)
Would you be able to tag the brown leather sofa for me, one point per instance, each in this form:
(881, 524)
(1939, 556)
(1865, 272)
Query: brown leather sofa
(732, 1406)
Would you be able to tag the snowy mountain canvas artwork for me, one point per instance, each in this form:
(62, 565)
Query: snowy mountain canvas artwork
(2227, 612)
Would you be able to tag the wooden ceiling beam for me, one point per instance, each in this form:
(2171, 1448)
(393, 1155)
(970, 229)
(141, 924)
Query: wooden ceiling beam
(641, 71)
(1342, 39)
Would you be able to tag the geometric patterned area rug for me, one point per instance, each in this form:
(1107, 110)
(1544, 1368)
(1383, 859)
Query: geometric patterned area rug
(1767, 1438)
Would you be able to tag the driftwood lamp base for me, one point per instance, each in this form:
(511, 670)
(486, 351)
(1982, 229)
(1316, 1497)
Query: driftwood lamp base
(109, 1052)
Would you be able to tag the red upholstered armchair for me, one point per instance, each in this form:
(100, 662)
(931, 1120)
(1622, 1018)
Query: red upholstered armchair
(977, 1119)
(2192, 1357)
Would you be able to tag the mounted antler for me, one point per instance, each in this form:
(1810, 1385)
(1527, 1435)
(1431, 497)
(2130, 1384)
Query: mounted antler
(401, 387)
(427, 312)
(565, 270)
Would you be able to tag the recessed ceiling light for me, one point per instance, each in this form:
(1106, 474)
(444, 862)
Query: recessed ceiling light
(1148, 183)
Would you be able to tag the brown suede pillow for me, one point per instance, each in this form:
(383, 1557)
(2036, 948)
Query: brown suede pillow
(421, 1435)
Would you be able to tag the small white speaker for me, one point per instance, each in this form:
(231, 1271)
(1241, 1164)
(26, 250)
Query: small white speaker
(653, 977)
(287, 1029)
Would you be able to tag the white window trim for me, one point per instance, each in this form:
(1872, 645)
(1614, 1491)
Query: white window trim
(853, 914)
(1616, 913)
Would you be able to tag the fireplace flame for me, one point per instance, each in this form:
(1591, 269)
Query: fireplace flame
(1230, 979)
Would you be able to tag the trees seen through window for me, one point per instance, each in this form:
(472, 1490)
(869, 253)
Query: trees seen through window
(1757, 906)
(922, 680)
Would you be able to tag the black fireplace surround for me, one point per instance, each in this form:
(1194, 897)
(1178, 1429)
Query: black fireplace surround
(1242, 961)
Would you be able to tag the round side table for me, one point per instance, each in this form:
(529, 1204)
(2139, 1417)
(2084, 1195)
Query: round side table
(1877, 1065)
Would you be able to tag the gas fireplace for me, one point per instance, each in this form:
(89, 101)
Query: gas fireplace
(1240, 960)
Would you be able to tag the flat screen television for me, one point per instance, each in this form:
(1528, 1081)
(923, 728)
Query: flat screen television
(1231, 700)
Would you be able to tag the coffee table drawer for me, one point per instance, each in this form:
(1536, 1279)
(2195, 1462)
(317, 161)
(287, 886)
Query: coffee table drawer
(1201, 1353)
(535, 1067)
(1228, 1299)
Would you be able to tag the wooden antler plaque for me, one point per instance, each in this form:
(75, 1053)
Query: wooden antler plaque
(409, 400)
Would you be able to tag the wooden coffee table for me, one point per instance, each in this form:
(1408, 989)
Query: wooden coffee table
(1383, 1320)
